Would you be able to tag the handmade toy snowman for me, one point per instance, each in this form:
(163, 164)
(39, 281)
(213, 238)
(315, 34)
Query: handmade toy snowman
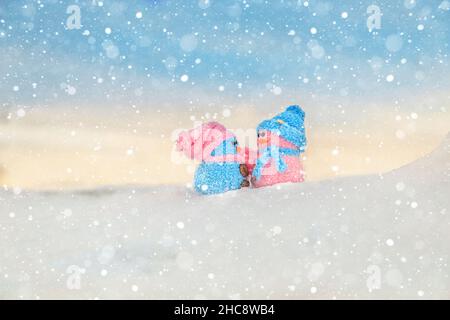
(221, 168)
(281, 140)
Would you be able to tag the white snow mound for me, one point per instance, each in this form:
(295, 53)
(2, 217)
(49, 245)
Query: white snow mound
(381, 236)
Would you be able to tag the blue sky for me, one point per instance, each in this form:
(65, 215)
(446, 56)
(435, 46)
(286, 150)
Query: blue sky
(156, 52)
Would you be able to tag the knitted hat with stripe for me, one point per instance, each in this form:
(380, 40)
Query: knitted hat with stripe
(289, 125)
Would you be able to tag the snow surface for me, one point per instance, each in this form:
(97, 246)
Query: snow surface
(327, 239)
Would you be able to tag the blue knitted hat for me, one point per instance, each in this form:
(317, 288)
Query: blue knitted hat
(289, 125)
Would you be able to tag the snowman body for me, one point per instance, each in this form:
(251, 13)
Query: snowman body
(271, 172)
(219, 171)
(217, 177)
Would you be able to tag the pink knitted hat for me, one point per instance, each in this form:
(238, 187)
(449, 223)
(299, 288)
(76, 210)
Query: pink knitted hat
(198, 143)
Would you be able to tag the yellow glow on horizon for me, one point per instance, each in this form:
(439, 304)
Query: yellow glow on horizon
(51, 150)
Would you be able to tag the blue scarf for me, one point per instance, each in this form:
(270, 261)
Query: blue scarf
(276, 153)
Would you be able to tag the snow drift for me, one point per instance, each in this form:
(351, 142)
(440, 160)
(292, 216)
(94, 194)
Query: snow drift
(380, 236)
